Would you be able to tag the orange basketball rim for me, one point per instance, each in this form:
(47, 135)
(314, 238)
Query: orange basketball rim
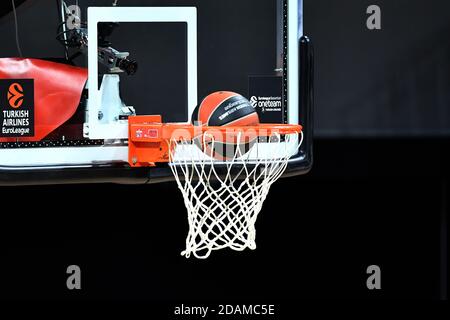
(149, 138)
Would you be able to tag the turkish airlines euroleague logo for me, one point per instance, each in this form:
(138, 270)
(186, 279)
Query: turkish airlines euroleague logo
(15, 95)
(16, 108)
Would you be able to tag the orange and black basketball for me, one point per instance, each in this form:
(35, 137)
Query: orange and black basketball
(225, 109)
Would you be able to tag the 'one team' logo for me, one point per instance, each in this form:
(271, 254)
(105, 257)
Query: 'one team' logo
(254, 101)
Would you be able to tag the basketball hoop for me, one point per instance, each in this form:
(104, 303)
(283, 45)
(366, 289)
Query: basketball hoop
(223, 197)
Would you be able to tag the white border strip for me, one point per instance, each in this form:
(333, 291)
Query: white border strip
(63, 156)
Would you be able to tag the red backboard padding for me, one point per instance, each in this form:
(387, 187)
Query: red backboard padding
(57, 91)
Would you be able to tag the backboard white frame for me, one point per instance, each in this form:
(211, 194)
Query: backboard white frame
(294, 30)
(98, 130)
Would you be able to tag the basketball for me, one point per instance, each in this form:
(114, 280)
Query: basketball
(225, 109)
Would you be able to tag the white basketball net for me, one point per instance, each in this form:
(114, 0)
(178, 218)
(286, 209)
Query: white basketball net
(223, 206)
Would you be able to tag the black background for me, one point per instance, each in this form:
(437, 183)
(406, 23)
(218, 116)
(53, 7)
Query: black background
(165, 60)
(377, 194)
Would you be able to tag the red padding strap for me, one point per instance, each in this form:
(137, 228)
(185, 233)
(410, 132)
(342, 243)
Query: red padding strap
(57, 91)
